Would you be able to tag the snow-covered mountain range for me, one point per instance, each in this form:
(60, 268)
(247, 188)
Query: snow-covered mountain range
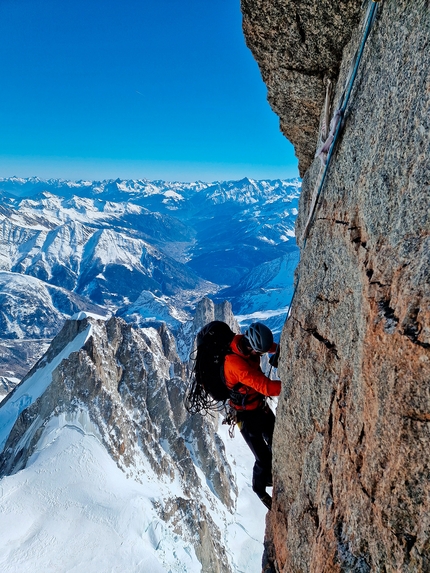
(148, 251)
(101, 467)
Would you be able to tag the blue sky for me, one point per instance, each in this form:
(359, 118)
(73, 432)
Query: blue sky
(157, 89)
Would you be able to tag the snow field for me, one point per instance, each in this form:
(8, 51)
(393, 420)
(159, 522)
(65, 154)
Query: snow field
(72, 510)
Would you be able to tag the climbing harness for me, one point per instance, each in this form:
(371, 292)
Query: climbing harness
(326, 150)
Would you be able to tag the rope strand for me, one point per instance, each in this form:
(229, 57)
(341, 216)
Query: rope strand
(337, 118)
(327, 149)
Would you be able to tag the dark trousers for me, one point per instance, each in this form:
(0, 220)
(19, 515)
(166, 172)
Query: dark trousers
(256, 426)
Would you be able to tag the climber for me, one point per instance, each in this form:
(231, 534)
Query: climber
(249, 388)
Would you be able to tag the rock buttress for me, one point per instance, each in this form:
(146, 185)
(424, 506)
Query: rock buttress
(352, 438)
(298, 46)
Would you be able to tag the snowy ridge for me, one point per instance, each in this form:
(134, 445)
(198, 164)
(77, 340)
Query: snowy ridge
(114, 474)
(133, 189)
(31, 313)
(33, 386)
(31, 308)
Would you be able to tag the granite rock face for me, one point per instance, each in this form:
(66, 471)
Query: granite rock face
(298, 46)
(352, 438)
(206, 311)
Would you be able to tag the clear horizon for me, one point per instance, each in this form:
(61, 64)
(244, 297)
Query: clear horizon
(137, 90)
(85, 180)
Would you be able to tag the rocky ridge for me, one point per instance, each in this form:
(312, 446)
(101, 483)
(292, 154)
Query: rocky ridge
(352, 438)
(130, 383)
(206, 311)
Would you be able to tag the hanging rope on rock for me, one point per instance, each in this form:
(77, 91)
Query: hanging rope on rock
(325, 151)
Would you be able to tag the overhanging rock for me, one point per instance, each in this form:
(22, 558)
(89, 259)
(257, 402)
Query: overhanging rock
(352, 438)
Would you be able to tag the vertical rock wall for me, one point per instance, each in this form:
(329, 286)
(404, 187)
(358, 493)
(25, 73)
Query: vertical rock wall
(352, 438)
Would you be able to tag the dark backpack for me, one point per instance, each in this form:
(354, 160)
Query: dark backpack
(207, 389)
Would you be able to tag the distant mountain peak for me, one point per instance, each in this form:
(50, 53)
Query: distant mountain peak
(147, 249)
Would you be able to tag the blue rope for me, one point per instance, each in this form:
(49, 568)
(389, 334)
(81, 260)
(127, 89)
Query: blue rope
(345, 99)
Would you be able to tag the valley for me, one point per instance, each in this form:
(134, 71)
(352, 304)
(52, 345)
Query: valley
(145, 251)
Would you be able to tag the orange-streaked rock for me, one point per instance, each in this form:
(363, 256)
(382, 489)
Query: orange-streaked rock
(352, 438)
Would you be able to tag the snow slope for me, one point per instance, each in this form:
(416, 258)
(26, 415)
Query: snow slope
(72, 509)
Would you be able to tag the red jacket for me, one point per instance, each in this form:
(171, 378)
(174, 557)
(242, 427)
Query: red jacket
(243, 375)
